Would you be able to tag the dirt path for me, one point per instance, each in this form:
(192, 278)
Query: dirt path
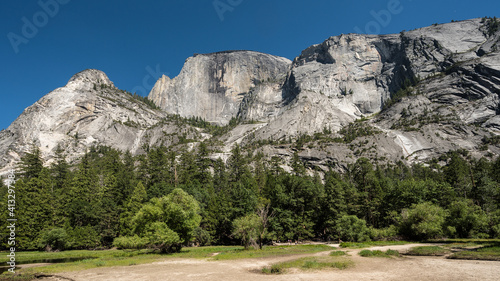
(404, 268)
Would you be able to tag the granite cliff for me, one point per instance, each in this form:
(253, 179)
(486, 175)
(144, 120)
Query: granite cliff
(89, 110)
(410, 96)
(212, 86)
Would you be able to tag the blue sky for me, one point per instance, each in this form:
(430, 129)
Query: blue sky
(43, 43)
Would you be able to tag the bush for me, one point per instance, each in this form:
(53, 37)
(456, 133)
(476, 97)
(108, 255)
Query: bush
(466, 220)
(157, 236)
(351, 228)
(423, 221)
(427, 251)
(202, 237)
(168, 222)
(164, 223)
(389, 233)
(494, 222)
(337, 253)
(130, 242)
(377, 253)
(160, 237)
(84, 237)
(246, 229)
(55, 239)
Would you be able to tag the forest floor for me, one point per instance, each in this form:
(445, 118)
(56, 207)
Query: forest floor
(364, 268)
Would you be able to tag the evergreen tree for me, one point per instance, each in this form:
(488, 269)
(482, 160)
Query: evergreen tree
(203, 164)
(237, 164)
(31, 163)
(138, 198)
(333, 204)
(459, 174)
(82, 198)
(33, 209)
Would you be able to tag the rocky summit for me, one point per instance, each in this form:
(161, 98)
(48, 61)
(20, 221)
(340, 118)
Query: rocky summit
(212, 86)
(409, 97)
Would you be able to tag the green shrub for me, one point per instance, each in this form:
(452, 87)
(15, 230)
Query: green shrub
(274, 269)
(130, 242)
(202, 237)
(84, 237)
(338, 253)
(168, 222)
(55, 239)
(388, 233)
(160, 237)
(308, 263)
(351, 228)
(246, 228)
(423, 221)
(427, 251)
(466, 220)
(377, 253)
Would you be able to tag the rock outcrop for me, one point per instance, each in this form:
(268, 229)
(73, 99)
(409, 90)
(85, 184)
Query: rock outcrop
(414, 95)
(425, 91)
(212, 86)
(88, 111)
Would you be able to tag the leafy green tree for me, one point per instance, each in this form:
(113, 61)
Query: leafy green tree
(173, 217)
(54, 239)
(159, 236)
(182, 213)
(488, 194)
(423, 221)
(494, 224)
(351, 228)
(466, 220)
(247, 229)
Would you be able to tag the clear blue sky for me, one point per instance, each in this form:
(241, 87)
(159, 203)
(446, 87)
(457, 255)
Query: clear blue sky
(124, 38)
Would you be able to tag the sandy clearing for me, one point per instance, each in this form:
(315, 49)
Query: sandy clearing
(404, 268)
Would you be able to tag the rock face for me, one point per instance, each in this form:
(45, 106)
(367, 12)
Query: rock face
(88, 111)
(212, 86)
(444, 82)
(418, 94)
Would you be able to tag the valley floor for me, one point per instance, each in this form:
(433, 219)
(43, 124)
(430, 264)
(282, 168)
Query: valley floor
(402, 268)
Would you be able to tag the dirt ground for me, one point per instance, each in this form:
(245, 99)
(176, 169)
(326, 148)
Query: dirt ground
(403, 268)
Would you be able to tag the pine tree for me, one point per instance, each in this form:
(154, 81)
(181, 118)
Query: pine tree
(59, 186)
(137, 199)
(31, 163)
(203, 164)
(82, 198)
(33, 209)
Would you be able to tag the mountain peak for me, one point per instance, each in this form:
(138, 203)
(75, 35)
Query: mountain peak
(93, 76)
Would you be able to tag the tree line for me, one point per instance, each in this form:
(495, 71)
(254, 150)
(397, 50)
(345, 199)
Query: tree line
(165, 200)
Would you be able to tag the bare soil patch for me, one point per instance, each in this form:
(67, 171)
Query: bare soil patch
(401, 268)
